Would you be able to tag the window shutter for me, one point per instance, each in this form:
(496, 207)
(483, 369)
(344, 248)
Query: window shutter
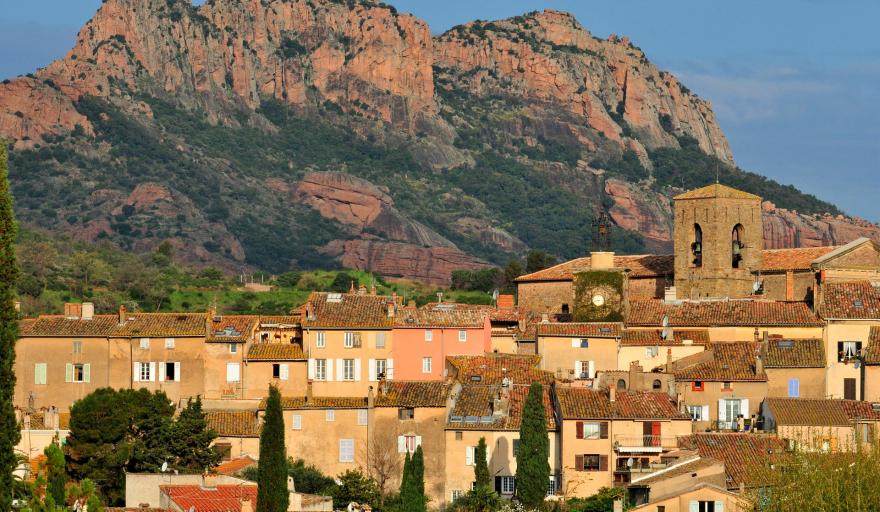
(371, 370)
(469, 456)
(162, 372)
(311, 369)
(152, 372)
(498, 484)
(575, 343)
(744, 407)
(87, 372)
(136, 372)
(794, 388)
(40, 373)
(401, 444)
(592, 370)
(603, 463)
(419, 441)
(340, 369)
(603, 430)
(577, 369)
(579, 462)
(357, 369)
(694, 506)
(297, 422)
(176, 372)
(705, 415)
(389, 369)
(328, 369)
(722, 411)
(285, 372)
(719, 506)
(579, 430)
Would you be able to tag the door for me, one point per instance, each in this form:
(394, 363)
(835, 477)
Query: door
(849, 389)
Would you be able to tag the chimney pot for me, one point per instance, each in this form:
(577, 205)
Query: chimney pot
(88, 310)
(545, 318)
(612, 393)
(601, 260)
(122, 314)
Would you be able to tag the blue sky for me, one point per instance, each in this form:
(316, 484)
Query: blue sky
(793, 82)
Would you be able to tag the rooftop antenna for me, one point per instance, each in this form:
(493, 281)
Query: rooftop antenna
(603, 227)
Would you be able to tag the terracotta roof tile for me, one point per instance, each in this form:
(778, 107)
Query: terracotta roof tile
(473, 409)
(775, 260)
(784, 353)
(583, 403)
(716, 190)
(232, 328)
(233, 423)
(320, 402)
(135, 325)
(58, 325)
(872, 351)
(234, 466)
(350, 311)
(721, 362)
(643, 265)
(442, 315)
(653, 337)
(493, 368)
(679, 469)
(742, 453)
(581, 329)
(711, 313)
(819, 412)
(413, 394)
(223, 498)
(289, 321)
(854, 300)
(276, 352)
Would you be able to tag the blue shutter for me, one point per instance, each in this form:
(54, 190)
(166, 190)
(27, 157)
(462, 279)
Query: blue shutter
(794, 388)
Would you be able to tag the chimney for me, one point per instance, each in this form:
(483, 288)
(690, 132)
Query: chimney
(612, 393)
(310, 311)
(372, 289)
(72, 311)
(122, 315)
(246, 502)
(290, 485)
(545, 318)
(617, 505)
(601, 260)
(504, 302)
(395, 299)
(209, 481)
(362, 290)
(668, 359)
(411, 304)
(390, 306)
(679, 399)
(88, 310)
(759, 360)
(351, 288)
(634, 371)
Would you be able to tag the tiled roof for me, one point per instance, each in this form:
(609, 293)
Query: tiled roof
(774, 260)
(320, 402)
(280, 320)
(716, 190)
(58, 325)
(822, 413)
(275, 352)
(232, 328)
(234, 466)
(643, 265)
(412, 394)
(710, 313)
(135, 325)
(678, 469)
(872, 351)
(854, 300)
(783, 353)
(473, 408)
(351, 311)
(233, 423)
(580, 329)
(441, 315)
(741, 453)
(653, 337)
(721, 362)
(583, 403)
(223, 498)
(493, 368)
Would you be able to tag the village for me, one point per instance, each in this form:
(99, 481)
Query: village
(671, 376)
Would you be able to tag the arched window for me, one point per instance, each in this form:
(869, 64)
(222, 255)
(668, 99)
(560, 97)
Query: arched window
(657, 384)
(697, 246)
(736, 246)
(621, 384)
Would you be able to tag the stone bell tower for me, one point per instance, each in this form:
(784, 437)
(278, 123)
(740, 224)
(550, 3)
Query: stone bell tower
(719, 237)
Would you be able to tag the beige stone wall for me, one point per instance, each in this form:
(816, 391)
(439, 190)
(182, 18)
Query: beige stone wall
(669, 486)
(811, 381)
(545, 297)
(681, 502)
(558, 355)
(775, 286)
(318, 440)
(258, 378)
(628, 354)
(647, 287)
(186, 351)
(823, 438)
(334, 350)
(217, 356)
(240, 446)
(872, 383)
(837, 372)
(754, 392)
(503, 343)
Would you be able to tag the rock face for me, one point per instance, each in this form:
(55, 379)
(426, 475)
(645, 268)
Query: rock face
(786, 228)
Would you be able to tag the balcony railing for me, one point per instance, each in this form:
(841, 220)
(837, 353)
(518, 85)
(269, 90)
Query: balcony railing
(645, 443)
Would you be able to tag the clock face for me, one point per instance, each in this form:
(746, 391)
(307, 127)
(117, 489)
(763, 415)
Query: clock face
(598, 300)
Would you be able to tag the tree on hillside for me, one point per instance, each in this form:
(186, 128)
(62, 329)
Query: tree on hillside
(9, 433)
(56, 473)
(538, 260)
(272, 493)
(191, 440)
(481, 466)
(532, 466)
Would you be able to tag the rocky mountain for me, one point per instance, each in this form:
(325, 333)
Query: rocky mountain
(302, 133)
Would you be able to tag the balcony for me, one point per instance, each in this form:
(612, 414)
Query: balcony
(645, 444)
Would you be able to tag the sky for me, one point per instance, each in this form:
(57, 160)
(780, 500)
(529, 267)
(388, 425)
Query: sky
(792, 82)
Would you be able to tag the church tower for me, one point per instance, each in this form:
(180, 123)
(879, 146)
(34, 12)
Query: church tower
(719, 237)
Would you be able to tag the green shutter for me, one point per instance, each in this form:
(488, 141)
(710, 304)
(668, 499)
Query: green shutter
(87, 372)
(68, 372)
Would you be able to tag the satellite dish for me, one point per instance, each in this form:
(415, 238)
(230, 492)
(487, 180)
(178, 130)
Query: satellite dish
(164, 467)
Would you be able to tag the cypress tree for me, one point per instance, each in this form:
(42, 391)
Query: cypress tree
(532, 468)
(272, 494)
(55, 469)
(407, 472)
(9, 433)
(481, 466)
(419, 501)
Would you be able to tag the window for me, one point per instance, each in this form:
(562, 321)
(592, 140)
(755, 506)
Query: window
(426, 365)
(233, 372)
(565, 309)
(736, 246)
(551, 486)
(589, 430)
(583, 369)
(591, 462)
(727, 387)
(847, 350)
(276, 370)
(280, 371)
(224, 450)
(171, 371)
(459, 435)
(169, 343)
(698, 412)
(697, 385)
(406, 413)
(661, 508)
(363, 416)
(697, 246)
(40, 373)
(320, 369)
(515, 447)
(429, 335)
(706, 506)
(145, 343)
(348, 369)
(462, 336)
(321, 339)
(381, 368)
(329, 415)
(233, 348)
(380, 340)
(144, 372)
(794, 388)
(656, 384)
(849, 389)
(651, 352)
(456, 494)
(469, 455)
(580, 343)
(507, 484)
(349, 340)
(77, 346)
(297, 421)
(346, 450)
(77, 372)
(408, 444)
(621, 384)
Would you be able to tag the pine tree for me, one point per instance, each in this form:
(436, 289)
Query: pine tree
(56, 475)
(532, 467)
(272, 493)
(9, 433)
(191, 440)
(481, 466)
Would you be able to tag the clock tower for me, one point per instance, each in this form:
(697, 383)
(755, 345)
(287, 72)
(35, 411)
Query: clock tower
(599, 291)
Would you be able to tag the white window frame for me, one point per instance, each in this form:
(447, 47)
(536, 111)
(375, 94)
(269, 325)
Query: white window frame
(429, 335)
(170, 343)
(233, 348)
(229, 377)
(427, 365)
(381, 367)
(320, 339)
(145, 373)
(145, 344)
(462, 336)
(456, 494)
(346, 450)
(164, 373)
(320, 369)
(348, 340)
(296, 422)
(348, 369)
(330, 415)
(698, 412)
(84, 374)
(363, 417)
(592, 430)
(507, 484)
